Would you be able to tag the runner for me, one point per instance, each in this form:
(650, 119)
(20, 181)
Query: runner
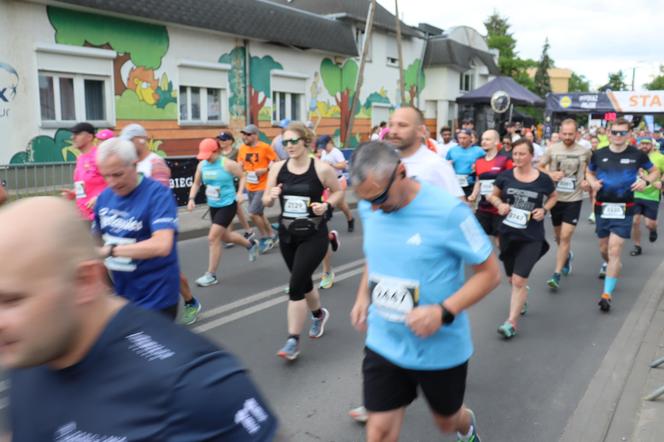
(519, 195)
(137, 219)
(646, 202)
(445, 142)
(565, 163)
(88, 182)
(217, 172)
(298, 184)
(153, 166)
(506, 147)
(85, 365)
(412, 296)
(487, 169)
(335, 158)
(613, 173)
(462, 158)
(255, 157)
(277, 144)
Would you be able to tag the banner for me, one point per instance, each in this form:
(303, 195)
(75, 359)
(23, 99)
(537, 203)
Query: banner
(182, 178)
(638, 102)
(634, 102)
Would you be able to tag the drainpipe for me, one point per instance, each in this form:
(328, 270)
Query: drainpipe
(247, 82)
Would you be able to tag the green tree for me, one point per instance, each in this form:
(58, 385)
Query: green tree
(259, 83)
(236, 79)
(616, 82)
(340, 83)
(542, 80)
(578, 83)
(414, 80)
(657, 83)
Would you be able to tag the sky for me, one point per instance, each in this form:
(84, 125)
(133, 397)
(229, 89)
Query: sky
(582, 33)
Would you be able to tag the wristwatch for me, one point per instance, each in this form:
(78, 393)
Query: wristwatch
(447, 317)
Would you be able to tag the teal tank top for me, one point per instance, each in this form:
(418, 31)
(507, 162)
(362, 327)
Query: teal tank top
(219, 188)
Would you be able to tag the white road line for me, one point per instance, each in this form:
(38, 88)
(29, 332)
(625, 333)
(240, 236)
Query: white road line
(4, 385)
(264, 294)
(262, 306)
(3, 403)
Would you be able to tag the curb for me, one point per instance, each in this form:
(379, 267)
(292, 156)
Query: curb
(606, 403)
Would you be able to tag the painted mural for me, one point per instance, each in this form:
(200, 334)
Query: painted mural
(45, 149)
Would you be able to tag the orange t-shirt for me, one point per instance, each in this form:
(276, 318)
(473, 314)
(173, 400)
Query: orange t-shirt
(257, 157)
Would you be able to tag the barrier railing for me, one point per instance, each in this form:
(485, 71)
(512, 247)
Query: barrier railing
(23, 180)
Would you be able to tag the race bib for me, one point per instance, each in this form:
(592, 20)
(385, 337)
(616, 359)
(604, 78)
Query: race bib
(613, 210)
(517, 218)
(212, 192)
(393, 298)
(119, 264)
(79, 188)
(296, 206)
(463, 180)
(566, 185)
(252, 178)
(486, 187)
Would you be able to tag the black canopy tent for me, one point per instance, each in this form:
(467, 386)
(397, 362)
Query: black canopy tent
(476, 104)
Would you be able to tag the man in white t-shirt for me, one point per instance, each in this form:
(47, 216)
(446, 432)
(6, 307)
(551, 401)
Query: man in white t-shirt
(538, 151)
(445, 141)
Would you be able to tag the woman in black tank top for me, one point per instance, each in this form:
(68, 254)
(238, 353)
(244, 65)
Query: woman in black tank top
(298, 183)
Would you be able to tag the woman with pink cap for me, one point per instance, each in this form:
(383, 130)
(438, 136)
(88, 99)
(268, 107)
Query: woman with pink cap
(217, 173)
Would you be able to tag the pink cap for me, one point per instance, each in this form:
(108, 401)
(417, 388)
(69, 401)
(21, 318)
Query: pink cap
(105, 134)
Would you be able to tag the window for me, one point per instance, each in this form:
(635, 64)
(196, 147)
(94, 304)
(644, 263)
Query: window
(200, 104)
(286, 105)
(466, 81)
(359, 40)
(66, 97)
(393, 62)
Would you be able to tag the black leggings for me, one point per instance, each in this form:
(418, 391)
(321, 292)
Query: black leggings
(303, 256)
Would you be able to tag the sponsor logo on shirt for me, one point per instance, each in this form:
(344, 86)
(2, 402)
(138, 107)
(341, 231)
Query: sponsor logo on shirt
(144, 346)
(415, 240)
(627, 161)
(69, 433)
(250, 416)
(118, 220)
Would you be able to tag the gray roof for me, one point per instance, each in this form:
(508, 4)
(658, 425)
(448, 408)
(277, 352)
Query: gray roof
(253, 19)
(355, 10)
(448, 52)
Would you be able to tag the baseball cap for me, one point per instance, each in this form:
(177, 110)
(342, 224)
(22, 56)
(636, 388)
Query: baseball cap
(467, 132)
(323, 141)
(206, 148)
(133, 130)
(83, 127)
(250, 129)
(284, 123)
(645, 140)
(105, 134)
(225, 136)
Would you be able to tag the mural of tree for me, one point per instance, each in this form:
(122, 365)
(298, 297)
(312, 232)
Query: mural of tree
(414, 80)
(237, 102)
(374, 98)
(45, 149)
(142, 43)
(259, 83)
(340, 83)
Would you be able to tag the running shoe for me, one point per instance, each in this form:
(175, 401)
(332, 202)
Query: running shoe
(191, 310)
(253, 250)
(335, 240)
(602, 271)
(636, 251)
(264, 245)
(207, 280)
(567, 268)
(591, 218)
(228, 245)
(653, 235)
(275, 240)
(275, 226)
(351, 227)
(507, 330)
(524, 309)
(327, 280)
(359, 414)
(554, 282)
(249, 235)
(605, 302)
(318, 324)
(473, 437)
(290, 351)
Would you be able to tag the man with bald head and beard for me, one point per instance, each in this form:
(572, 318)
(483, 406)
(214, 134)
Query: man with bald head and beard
(87, 365)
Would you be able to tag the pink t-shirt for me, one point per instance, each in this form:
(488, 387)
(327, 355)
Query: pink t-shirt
(88, 182)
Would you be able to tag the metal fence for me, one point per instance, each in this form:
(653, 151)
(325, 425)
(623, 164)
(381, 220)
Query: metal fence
(23, 180)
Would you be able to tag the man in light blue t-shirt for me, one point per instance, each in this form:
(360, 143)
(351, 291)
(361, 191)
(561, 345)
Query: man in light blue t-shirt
(463, 157)
(413, 296)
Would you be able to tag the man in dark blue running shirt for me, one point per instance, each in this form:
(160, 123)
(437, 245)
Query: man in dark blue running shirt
(85, 365)
(613, 174)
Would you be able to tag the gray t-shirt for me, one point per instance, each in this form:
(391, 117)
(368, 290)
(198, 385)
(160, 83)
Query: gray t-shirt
(572, 161)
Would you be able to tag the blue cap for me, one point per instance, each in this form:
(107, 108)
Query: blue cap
(322, 141)
(284, 123)
(645, 140)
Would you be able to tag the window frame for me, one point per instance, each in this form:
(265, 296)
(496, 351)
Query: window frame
(289, 107)
(204, 117)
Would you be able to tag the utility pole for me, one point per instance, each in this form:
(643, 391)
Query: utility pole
(633, 75)
(402, 91)
(368, 27)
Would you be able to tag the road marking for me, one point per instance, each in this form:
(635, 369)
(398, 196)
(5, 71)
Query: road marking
(3, 403)
(4, 385)
(208, 314)
(263, 305)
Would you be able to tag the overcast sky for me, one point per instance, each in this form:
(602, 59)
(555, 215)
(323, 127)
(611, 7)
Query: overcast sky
(590, 37)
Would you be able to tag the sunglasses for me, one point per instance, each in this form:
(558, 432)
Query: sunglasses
(292, 141)
(619, 133)
(380, 199)
(225, 137)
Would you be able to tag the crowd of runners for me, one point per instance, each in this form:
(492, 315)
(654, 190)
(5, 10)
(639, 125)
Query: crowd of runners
(427, 207)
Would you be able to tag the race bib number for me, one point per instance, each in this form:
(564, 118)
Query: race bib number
(252, 178)
(613, 210)
(463, 180)
(79, 188)
(212, 192)
(517, 218)
(115, 263)
(486, 187)
(393, 298)
(296, 206)
(566, 185)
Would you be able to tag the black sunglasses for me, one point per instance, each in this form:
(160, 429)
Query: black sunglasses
(292, 141)
(619, 133)
(380, 199)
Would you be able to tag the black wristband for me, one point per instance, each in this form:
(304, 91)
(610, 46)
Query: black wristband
(447, 316)
(111, 250)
